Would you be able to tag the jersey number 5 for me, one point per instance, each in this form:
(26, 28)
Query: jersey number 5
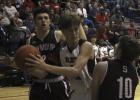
(125, 87)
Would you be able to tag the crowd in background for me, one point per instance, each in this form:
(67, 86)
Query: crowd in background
(103, 22)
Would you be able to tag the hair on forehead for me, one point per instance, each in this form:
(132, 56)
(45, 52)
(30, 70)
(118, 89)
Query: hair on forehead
(127, 40)
(68, 21)
(130, 48)
(41, 10)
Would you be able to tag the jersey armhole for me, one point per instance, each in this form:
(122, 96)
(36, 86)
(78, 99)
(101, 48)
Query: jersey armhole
(28, 40)
(58, 36)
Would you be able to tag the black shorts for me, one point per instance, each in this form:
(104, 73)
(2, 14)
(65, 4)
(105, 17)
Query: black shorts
(139, 71)
(54, 91)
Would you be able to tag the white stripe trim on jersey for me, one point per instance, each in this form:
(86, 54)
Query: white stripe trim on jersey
(66, 88)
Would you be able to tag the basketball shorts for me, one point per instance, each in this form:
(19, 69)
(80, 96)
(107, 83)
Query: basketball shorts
(50, 91)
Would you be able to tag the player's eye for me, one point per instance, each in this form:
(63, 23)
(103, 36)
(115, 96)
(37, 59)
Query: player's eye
(44, 17)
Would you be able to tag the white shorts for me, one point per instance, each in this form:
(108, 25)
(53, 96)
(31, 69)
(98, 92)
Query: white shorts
(81, 92)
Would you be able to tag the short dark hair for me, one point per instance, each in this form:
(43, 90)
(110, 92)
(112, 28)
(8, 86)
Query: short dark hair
(130, 48)
(68, 20)
(40, 10)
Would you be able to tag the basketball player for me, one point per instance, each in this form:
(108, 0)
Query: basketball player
(47, 40)
(71, 51)
(74, 54)
(117, 79)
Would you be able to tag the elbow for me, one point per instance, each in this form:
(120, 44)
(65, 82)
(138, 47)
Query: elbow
(75, 72)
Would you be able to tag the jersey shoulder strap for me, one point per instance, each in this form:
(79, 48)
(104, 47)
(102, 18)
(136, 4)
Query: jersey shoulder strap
(81, 42)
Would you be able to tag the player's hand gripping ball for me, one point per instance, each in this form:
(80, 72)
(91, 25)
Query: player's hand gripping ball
(22, 53)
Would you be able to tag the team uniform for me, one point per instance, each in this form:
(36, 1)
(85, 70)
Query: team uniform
(119, 83)
(68, 58)
(53, 87)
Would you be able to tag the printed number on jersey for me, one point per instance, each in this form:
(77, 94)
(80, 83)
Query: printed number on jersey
(125, 87)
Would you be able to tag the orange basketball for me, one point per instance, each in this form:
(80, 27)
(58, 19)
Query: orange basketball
(23, 52)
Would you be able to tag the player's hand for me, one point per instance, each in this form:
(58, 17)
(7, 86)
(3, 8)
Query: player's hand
(35, 61)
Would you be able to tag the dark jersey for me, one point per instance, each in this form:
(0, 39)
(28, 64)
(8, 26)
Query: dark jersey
(120, 82)
(49, 49)
(3, 41)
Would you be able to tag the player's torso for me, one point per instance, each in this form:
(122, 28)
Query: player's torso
(68, 57)
(49, 49)
(119, 83)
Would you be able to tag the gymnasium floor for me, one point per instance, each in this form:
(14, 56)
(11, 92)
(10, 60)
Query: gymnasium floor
(137, 95)
(21, 93)
(14, 93)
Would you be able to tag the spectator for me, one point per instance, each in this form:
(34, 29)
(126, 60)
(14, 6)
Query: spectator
(132, 29)
(89, 32)
(10, 10)
(102, 33)
(81, 11)
(93, 11)
(101, 17)
(29, 4)
(4, 20)
(29, 22)
(117, 17)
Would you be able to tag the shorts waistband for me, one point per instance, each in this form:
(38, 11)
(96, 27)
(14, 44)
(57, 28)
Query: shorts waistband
(53, 80)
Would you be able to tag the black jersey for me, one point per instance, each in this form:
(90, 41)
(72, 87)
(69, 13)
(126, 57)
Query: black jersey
(120, 82)
(49, 49)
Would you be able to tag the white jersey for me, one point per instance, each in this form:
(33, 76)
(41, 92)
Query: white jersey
(68, 59)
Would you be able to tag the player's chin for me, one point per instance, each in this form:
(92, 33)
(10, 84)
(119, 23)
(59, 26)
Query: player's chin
(44, 28)
(75, 40)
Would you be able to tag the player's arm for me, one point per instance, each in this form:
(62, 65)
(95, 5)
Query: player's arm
(98, 77)
(86, 53)
(59, 36)
(82, 33)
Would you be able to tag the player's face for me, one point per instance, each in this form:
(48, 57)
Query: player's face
(42, 21)
(72, 34)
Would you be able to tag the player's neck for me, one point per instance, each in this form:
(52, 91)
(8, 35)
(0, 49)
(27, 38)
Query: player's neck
(41, 34)
(71, 45)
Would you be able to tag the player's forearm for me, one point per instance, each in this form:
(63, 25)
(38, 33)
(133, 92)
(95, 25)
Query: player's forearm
(66, 71)
(82, 33)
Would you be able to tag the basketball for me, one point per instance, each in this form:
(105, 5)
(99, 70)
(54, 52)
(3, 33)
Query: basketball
(23, 52)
